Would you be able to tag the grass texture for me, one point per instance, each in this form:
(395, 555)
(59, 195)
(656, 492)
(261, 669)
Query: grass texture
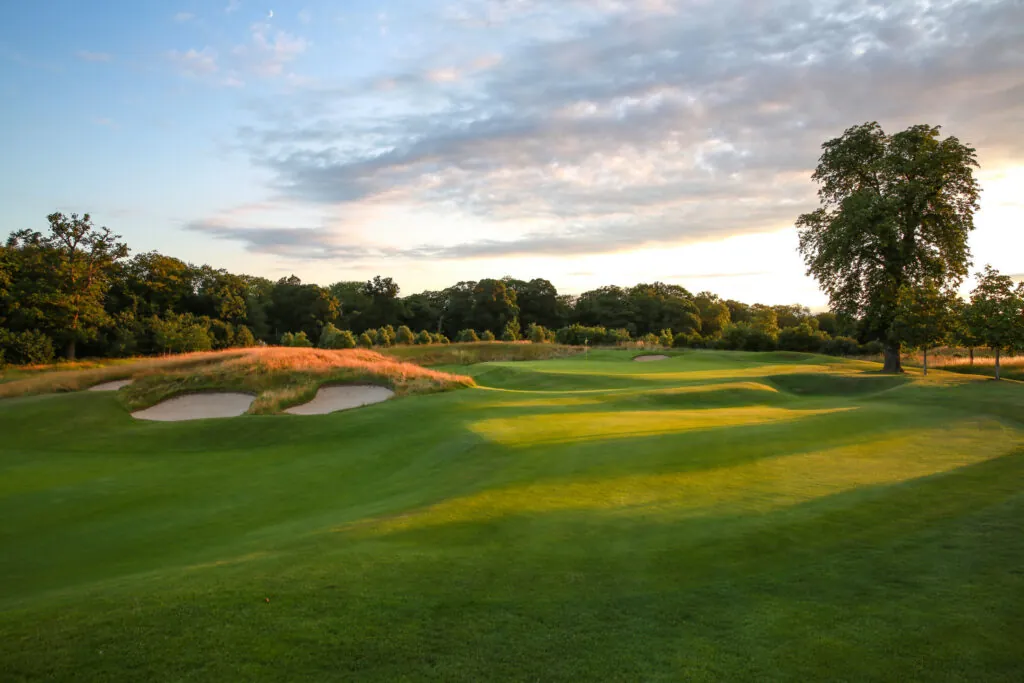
(714, 516)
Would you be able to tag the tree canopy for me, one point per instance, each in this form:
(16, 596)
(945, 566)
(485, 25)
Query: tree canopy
(895, 209)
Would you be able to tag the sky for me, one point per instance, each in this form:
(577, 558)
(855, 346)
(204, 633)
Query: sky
(588, 142)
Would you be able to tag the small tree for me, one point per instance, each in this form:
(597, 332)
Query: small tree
(802, 337)
(424, 338)
(296, 339)
(536, 333)
(666, 338)
(511, 331)
(924, 315)
(244, 337)
(365, 341)
(386, 336)
(467, 336)
(487, 336)
(994, 314)
(333, 338)
(405, 335)
(961, 333)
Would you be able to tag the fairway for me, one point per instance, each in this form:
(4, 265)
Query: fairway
(710, 516)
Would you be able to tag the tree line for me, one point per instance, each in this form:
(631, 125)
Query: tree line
(75, 290)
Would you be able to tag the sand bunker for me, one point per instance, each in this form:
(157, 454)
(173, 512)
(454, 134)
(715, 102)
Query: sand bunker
(197, 407)
(332, 399)
(111, 386)
(648, 359)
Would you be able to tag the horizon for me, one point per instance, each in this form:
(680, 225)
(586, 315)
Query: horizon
(589, 143)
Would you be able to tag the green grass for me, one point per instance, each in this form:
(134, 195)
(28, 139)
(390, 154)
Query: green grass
(714, 516)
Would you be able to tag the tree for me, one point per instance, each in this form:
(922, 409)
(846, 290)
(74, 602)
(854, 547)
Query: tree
(424, 338)
(333, 338)
(74, 266)
(714, 314)
(487, 336)
(538, 302)
(924, 315)
(994, 315)
(467, 335)
(384, 307)
(404, 336)
(895, 209)
(295, 307)
(961, 333)
(494, 306)
(511, 332)
(765, 320)
(605, 307)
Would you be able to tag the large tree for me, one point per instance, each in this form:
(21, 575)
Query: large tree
(895, 209)
(68, 273)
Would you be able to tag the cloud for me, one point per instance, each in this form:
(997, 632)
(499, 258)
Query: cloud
(182, 17)
(87, 56)
(195, 63)
(640, 123)
(232, 6)
(270, 51)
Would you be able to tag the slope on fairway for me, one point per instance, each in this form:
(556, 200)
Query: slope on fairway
(714, 516)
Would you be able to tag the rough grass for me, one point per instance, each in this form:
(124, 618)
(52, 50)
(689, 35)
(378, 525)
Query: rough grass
(480, 352)
(62, 377)
(283, 377)
(719, 517)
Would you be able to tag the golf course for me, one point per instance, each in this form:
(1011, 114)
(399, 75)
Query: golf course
(710, 515)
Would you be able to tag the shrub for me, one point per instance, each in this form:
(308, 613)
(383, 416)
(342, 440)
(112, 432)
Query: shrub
(405, 335)
(511, 331)
(650, 339)
(424, 338)
(578, 335)
(688, 339)
(244, 337)
(536, 333)
(872, 348)
(802, 337)
(222, 334)
(487, 336)
(29, 347)
(333, 338)
(467, 336)
(365, 340)
(617, 336)
(180, 334)
(743, 337)
(666, 338)
(841, 346)
(372, 335)
(386, 336)
(438, 338)
(297, 339)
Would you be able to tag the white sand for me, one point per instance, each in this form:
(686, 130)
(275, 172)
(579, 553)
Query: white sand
(197, 407)
(648, 359)
(111, 386)
(332, 399)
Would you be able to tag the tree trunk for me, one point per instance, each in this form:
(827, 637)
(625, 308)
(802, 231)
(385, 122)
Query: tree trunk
(69, 352)
(926, 362)
(997, 362)
(971, 350)
(892, 360)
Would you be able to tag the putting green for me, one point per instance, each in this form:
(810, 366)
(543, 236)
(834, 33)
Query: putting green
(713, 516)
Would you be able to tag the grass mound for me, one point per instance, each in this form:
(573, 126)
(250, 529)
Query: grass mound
(284, 377)
(482, 352)
(824, 384)
(62, 377)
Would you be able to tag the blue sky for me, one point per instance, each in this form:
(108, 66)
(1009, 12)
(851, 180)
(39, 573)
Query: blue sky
(587, 141)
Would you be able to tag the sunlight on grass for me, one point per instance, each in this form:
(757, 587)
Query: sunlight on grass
(598, 396)
(755, 487)
(534, 430)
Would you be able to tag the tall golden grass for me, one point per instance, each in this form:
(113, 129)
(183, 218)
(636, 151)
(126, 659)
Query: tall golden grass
(282, 377)
(279, 377)
(48, 379)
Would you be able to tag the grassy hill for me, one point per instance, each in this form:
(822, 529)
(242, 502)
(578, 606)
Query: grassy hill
(714, 516)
